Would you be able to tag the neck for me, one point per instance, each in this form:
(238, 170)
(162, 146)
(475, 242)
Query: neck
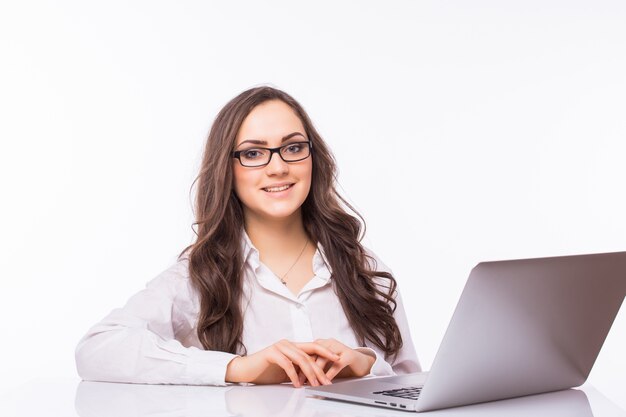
(276, 235)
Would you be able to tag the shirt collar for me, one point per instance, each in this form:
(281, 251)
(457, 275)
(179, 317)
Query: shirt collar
(249, 252)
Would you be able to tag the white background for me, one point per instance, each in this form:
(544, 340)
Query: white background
(464, 131)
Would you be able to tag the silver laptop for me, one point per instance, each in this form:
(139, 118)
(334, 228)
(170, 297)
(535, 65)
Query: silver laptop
(521, 327)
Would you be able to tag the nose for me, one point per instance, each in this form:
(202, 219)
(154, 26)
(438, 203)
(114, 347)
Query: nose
(276, 166)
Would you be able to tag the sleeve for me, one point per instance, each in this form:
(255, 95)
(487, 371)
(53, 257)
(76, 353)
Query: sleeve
(137, 344)
(406, 360)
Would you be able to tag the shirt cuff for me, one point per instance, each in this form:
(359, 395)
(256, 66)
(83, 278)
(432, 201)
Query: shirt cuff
(207, 367)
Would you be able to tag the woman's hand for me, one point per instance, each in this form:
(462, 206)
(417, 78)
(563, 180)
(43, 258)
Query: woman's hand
(282, 362)
(351, 362)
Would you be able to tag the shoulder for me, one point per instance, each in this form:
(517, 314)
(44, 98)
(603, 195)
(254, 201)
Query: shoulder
(173, 282)
(176, 272)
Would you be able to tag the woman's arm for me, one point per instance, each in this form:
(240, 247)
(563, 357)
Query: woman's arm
(370, 361)
(355, 358)
(137, 343)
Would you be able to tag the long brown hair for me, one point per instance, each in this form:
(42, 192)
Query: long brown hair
(216, 260)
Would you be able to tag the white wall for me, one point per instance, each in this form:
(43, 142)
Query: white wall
(464, 131)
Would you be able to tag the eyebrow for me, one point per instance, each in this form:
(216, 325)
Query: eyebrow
(264, 142)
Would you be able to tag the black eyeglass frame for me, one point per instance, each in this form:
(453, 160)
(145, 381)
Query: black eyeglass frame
(237, 154)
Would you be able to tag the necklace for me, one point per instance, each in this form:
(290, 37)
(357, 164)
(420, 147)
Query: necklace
(282, 279)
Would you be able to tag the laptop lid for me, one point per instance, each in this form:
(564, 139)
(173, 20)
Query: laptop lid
(525, 327)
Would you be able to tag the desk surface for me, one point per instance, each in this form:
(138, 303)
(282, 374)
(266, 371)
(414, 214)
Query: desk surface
(93, 399)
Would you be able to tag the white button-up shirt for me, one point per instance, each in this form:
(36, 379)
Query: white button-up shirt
(153, 338)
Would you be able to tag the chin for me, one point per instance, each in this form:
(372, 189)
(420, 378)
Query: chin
(278, 213)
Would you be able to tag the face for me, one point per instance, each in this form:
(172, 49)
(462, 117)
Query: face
(277, 190)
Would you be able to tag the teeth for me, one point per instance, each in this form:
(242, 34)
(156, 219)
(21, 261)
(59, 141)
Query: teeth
(277, 189)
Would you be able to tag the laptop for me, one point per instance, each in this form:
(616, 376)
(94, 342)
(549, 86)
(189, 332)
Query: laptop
(521, 327)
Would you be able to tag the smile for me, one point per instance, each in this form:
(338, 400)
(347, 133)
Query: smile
(277, 189)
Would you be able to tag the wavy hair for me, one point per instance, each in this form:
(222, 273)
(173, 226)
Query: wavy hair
(216, 259)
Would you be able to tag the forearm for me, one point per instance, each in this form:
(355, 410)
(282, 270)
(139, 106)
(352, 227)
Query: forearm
(115, 353)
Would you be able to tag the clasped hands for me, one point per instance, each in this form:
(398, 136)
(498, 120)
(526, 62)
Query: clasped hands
(315, 363)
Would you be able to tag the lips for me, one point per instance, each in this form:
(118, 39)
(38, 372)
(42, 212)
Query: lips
(277, 188)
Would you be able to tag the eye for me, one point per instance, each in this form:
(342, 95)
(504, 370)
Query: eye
(294, 148)
(252, 153)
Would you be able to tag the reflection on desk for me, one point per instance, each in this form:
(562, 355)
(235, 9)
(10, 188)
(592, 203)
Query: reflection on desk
(95, 399)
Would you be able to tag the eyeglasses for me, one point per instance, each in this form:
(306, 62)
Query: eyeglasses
(258, 157)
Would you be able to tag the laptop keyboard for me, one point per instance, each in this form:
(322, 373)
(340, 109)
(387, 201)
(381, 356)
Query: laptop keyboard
(410, 393)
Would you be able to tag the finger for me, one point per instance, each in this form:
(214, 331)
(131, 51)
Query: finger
(281, 360)
(335, 369)
(318, 372)
(310, 369)
(322, 362)
(303, 349)
(301, 374)
(301, 377)
(332, 344)
(318, 349)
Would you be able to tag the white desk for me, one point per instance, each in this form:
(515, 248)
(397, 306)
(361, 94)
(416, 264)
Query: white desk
(65, 397)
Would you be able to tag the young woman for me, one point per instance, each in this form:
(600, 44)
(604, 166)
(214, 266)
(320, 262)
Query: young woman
(276, 288)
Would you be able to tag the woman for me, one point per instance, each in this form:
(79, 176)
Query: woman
(276, 287)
